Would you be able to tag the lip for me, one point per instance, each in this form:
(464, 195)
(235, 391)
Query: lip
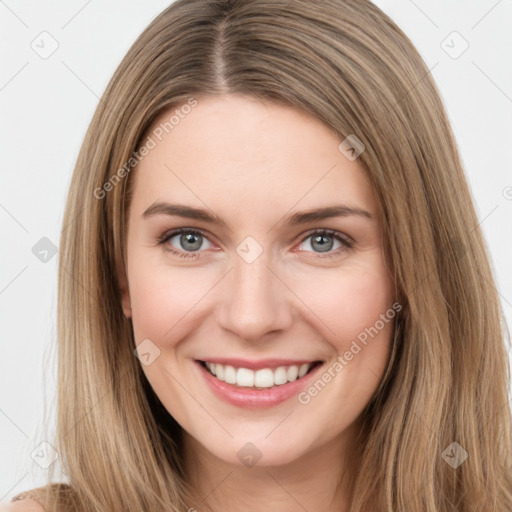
(252, 398)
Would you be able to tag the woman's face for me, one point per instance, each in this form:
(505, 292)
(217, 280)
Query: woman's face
(252, 290)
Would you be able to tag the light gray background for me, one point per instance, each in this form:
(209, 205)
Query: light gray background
(47, 103)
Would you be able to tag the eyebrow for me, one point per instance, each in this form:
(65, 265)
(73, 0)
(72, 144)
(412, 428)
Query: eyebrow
(189, 212)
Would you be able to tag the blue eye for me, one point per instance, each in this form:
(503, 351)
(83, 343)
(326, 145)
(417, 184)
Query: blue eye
(323, 240)
(191, 240)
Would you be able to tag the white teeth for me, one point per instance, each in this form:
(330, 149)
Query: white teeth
(229, 374)
(292, 373)
(303, 370)
(245, 377)
(280, 376)
(263, 378)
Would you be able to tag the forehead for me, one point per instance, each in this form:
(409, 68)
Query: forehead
(237, 151)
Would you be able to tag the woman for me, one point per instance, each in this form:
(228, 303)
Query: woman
(251, 371)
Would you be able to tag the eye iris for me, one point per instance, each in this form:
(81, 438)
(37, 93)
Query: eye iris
(321, 239)
(189, 237)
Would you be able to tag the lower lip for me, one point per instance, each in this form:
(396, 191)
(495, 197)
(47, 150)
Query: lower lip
(252, 398)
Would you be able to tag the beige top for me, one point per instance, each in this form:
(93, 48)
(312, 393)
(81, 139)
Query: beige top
(37, 493)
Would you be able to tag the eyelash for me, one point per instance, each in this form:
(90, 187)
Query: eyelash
(344, 239)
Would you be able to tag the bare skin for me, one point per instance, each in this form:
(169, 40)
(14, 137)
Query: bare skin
(26, 505)
(254, 165)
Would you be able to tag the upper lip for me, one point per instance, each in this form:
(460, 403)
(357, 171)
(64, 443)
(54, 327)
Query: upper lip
(257, 365)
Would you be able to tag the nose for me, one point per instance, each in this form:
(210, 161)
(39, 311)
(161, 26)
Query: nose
(255, 300)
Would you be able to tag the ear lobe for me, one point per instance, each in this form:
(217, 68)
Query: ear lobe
(125, 292)
(125, 303)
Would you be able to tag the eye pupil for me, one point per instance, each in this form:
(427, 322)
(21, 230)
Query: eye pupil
(189, 237)
(321, 239)
(191, 241)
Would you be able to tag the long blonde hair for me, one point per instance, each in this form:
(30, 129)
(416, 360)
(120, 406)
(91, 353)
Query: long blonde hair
(346, 63)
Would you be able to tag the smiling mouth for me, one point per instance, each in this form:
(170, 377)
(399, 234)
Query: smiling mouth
(264, 378)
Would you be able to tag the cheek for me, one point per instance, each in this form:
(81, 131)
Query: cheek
(355, 316)
(350, 302)
(151, 301)
(164, 298)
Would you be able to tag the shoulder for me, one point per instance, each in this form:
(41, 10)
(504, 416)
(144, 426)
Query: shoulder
(25, 505)
(55, 496)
